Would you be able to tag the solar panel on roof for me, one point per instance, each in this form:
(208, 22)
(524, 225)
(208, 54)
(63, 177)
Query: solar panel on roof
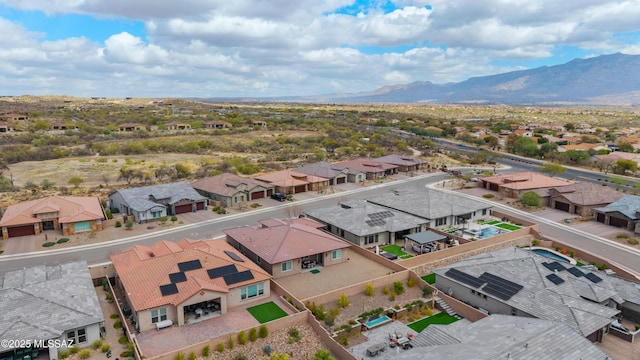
(463, 277)
(222, 271)
(555, 279)
(376, 222)
(553, 266)
(499, 287)
(168, 289)
(593, 278)
(575, 272)
(177, 277)
(189, 265)
(238, 277)
(494, 290)
(233, 256)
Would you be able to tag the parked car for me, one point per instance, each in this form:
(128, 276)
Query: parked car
(278, 196)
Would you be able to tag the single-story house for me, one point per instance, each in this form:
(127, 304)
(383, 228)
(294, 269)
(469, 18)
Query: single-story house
(69, 214)
(336, 174)
(177, 125)
(5, 128)
(48, 302)
(231, 189)
(404, 163)
(288, 247)
(217, 125)
(293, 182)
(366, 224)
(374, 169)
(623, 213)
(580, 198)
(149, 203)
(14, 117)
(130, 127)
(519, 282)
(514, 185)
(440, 209)
(181, 283)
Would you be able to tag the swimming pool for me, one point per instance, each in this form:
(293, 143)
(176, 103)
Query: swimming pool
(551, 255)
(370, 324)
(489, 231)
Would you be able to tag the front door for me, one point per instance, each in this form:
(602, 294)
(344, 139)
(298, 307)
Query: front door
(48, 225)
(319, 258)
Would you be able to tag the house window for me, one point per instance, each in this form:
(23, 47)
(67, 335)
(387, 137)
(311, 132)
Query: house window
(370, 239)
(286, 266)
(258, 260)
(251, 291)
(77, 336)
(156, 214)
(336, 254)
(514, 311)
(441, 221)
(341, 232)
(484, 212)
(158, 315)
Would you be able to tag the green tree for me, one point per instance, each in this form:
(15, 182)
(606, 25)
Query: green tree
(491, 141)
(522, 145)
(322, 355)
(625, 146)
(576, 156)
(553, 169)
(530, 198)
(76, 181)
(623, 166)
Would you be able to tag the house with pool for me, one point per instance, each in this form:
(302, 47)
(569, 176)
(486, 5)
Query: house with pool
(519, 282)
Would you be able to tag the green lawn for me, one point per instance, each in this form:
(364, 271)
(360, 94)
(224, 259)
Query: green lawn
(430, 278)
(266, 312)
(492, 222)
(439, 318)
(397, 250)
(508, 226)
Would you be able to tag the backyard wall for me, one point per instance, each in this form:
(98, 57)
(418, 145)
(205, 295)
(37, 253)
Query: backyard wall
(468, 312)
(359, 287)
(370, 255)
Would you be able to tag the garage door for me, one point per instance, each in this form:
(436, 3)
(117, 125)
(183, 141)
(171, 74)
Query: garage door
(181, 209)
(257, 195)
(200, 205)
(300, 189)
(600, 217)
(618, 222)
(341, 180)
(21, 230)
(562, 206)
(269, 192)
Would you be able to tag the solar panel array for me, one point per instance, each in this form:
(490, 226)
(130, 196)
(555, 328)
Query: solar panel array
(553, 266)
(233, 256)
(168, 289)
(189, 265)
(222, 271)
(376, 222)
(555, 279)
(177, 277)
(499, 287)
(463, 277)
(238, 277)
(593, 278)
(380, 215)
(575, 272)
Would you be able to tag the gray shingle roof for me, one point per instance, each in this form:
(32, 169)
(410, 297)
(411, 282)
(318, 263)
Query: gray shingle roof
(502, 337)
(584, 193)
(628, 205)
(543, 299)
(396, 159)
(322, 169)
(353, 215)
(429, 203)
(42, 302)
(425, 237)
(142, 198)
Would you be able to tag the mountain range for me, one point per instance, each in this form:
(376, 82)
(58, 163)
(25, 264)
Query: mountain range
(602, 80)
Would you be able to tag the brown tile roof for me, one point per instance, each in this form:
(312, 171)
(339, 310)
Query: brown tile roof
(288, 177)
(524, 180)
(143, 269)
(584, 193)
(225, 184)
(277, 240)
(395, 159)
(367, 165)
(70, 209)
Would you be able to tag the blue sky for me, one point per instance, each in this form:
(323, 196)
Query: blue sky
(202, 48)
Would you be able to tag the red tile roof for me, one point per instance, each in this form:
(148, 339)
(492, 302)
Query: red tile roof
(70, 209)
(525, 180)
(143, 269)
(288, 177)
(277, 240)
(226, 184)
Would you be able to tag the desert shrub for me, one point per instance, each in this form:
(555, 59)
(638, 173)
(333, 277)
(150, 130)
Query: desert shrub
(118, 224)
(85, 354)
(206, 351)
(163, 219)
(263, 332)
(230, 343)
(534, 243)
(601, 267)
(220, 347)
(343, 301)
(488, 196)
(411, 282)
(294, 335)
(123, 340)
(392, 297)
(63, 354)
(385, 290)
(174, 218)
(572, 253)
(369, 290)
(632, 241)
(117, 325)
(179, 356)
(622, 236)
(240, 356)
(48, 244)
(105, 347)
(96, 344)
(253, 334)
(192, 356)
(242, 337)
(128, 224)
(322, 355)
(426, 291)
(334, 311)
(398, 287)
(114, 316)
(74, 350)
(62, 240)
(329, 320)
